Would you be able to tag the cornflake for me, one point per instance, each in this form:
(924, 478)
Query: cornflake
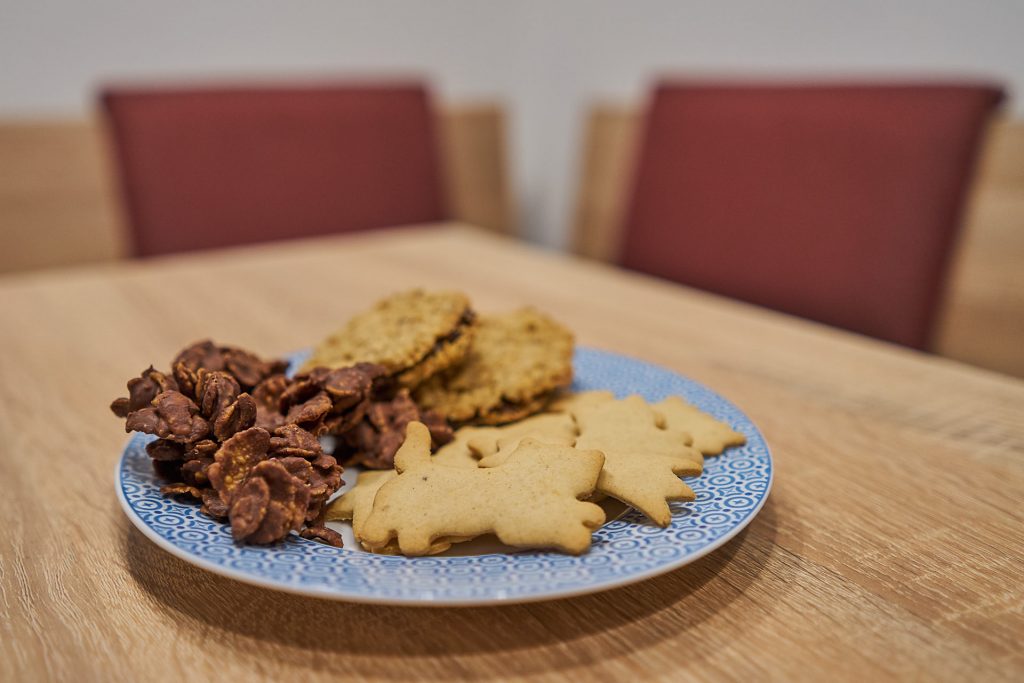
(237, 434)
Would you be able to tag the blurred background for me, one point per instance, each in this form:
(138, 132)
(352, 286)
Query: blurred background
(871, 153)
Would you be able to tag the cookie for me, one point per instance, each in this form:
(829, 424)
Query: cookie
(494, 444)
(456, 453)
(643, 462)
(710, 436)
(531, 501)
(413, 334)
(356, 503)
(486, 442)
(471, 443)
(566, 402)
(515, 363)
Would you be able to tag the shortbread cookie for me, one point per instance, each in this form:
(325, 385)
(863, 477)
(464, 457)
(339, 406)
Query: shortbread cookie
(553, 428)
(566, 402)
(531, 501)
(472, 443)
(493, 445)
(710, 436)
(456, 453)
(413, 335)
(642, 461)
(356, 503)
(515, 362)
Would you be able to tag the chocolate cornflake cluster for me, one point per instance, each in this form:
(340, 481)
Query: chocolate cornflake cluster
(234, 432)
(373, 441)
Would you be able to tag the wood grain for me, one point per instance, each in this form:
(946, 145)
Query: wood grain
(982, 319)
(891, 547)
(59, 205)
(611, 137)
(476, 166)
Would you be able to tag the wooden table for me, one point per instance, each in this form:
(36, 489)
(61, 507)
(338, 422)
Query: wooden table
(891, 546)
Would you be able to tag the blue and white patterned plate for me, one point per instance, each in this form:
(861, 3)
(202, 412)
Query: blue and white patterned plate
(731, 491)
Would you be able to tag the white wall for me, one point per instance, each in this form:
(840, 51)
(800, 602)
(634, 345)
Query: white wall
(545, 59)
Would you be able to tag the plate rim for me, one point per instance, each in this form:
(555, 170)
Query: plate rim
(469, 601)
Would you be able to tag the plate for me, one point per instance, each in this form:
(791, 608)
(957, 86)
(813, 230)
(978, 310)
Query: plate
(730, 493)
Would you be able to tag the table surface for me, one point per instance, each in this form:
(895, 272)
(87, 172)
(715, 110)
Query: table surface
(891, 546)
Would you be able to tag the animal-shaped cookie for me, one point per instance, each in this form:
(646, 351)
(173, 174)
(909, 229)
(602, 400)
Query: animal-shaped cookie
(642, 461)
(356, 503)
(471, 443)
(565, 403)
(710, 436)
(531, 501)
(456, 453)
(556, 428)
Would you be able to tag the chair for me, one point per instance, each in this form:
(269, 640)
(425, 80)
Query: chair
(203, 168)
(838, 203)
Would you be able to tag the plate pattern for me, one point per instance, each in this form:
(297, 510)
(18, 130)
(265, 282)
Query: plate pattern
(731, 491)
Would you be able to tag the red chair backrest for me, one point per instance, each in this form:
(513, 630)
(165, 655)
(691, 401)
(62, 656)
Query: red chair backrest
(836, 203)
(205, 167)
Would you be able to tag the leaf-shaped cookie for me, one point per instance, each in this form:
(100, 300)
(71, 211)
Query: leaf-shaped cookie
(710, 436)
(531, 501)
(642, 461)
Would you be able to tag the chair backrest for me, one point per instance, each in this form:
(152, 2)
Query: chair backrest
(212, 167)
(838, 203)
(611, 134)
(57, 202)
